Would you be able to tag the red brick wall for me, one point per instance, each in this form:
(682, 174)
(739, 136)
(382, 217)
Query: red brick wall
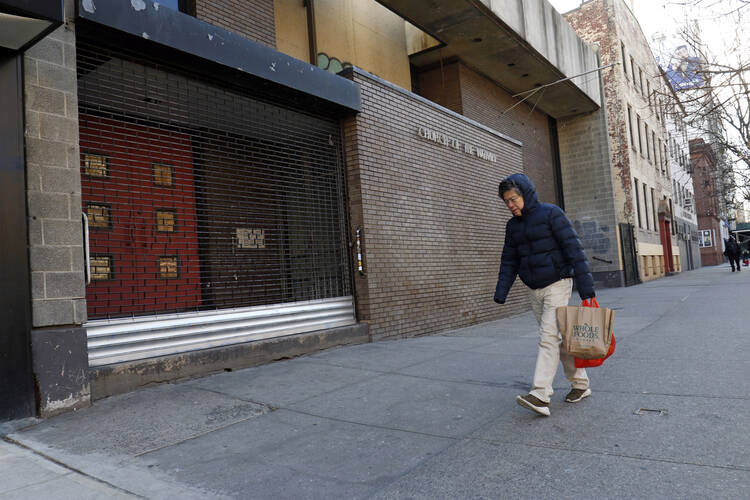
(252, 19)
(703, 165)
(714, 255)
(433, 222)
(132, 240)
(443, 86)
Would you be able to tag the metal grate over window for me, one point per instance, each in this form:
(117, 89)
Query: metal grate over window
(202, 197)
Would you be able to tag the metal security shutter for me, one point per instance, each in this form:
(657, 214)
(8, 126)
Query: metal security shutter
(205, 206)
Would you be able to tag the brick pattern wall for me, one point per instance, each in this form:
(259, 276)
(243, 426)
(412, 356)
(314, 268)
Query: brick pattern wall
(465, 91)
(252, 19)
(490, 105)
(433, 223)
(54, 182)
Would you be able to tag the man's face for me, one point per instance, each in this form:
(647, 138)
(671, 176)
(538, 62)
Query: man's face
(514, 200)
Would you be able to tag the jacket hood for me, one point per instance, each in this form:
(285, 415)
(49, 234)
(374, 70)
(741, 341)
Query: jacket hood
(528, 191)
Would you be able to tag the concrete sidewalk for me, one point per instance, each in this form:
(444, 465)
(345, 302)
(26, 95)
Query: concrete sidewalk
(432, 417)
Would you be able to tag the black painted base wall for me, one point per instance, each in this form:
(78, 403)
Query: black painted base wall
(60, 370)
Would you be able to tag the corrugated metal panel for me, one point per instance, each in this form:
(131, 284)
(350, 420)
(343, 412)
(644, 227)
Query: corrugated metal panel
(115, 341)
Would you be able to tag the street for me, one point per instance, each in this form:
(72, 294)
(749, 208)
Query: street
(431, 417)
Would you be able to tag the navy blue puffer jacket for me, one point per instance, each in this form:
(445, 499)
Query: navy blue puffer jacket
(541, 247)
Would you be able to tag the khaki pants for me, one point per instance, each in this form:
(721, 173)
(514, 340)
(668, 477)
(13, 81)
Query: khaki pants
(544, 303)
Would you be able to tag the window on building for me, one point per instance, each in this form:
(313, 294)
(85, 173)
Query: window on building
(638, 203)
(660, 162)
(671, 211)
(640, 80)
(638, 124)
(645, 207)
(632, 70)
(648, 94)
(653, 210)
(660, 111)
(624, 62)
(657, 105)
(653, 144)
(186, 6)
(630, 126)
(665, 161)
(648, 147)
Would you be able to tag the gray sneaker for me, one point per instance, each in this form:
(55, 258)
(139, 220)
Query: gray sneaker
(576, 395)
(533, 403)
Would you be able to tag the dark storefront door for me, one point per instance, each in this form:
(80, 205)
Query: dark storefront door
(665, 228)
(629, 258)
(16, 389)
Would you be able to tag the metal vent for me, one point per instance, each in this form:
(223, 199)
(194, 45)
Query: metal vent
(204, 198)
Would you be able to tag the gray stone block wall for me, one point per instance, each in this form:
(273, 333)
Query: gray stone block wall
(54, 181)
(589, 193)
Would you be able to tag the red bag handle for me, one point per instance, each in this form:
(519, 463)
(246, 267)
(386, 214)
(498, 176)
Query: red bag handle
(590, 302)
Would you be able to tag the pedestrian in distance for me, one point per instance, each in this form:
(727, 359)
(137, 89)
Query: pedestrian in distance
(542, 248)
(732, 251)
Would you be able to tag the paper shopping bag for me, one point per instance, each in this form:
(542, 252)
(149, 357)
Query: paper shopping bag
(586, 331)
(591, 363)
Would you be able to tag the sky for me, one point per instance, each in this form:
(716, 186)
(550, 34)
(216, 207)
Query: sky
(668, 16)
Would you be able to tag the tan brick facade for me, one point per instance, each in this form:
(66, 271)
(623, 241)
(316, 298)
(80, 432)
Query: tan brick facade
(433, 225)
(252, 19)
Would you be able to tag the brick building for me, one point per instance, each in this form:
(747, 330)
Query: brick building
(685, 227)
(703, 161)
(201, 197)
(637, 137)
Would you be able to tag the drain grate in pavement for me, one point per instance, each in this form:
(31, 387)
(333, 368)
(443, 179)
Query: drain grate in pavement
(657, 412)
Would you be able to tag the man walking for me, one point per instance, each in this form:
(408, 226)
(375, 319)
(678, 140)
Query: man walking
(732, 251)
(542, 248)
